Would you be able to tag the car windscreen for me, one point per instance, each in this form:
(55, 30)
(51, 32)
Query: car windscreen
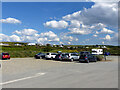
(47, 53)
(5, 54)
(53, 53)
(82, 56)
(39, 53)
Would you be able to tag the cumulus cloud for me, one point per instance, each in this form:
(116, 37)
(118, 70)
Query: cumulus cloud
(4, 37)
(26, 32)
(106, 31)
(68, 38)
(10, 20)
(30, 35)
(107, 37)
(79, 31)
(95, 35)
(51, 36)
(103, 42)
(68, 42)
(56, 24)
(100, 12)
(15, 38)
(12, 38)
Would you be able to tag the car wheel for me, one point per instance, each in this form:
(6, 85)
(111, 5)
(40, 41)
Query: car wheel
(95, 59)
(87, 61)
(72, 59)
(52, 58)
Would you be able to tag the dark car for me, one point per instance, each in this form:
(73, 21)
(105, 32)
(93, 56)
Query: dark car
(4, 56)
(40, 55)
(87, 58)
(59, 56)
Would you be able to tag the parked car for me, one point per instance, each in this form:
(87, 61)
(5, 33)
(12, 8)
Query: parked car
(70, 56)
(40, 55)
(87, 58)
(4, 56)
(84, 52)
(50, 55)
(59, 56)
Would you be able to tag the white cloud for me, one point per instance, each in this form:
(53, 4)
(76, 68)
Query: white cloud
(103, 42)
(95, 35)
(61, 43)
(75, 24)
(98, 26)
(26, 32)
(12, 38)
(68, 38)
(10, 20)
(56, 24)
(68, 42)
(78, 31)
(107, 37)
(4, 37)
(51, 36)
(15, 38)
(106, 31)
(101, 12)
(42, 40)
(97, 32)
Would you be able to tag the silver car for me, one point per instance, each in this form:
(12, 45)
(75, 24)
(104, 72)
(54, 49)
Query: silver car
(70, 56)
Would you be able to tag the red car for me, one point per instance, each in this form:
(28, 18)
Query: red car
(4, 56)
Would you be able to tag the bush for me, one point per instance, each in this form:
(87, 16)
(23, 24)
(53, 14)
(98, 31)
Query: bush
(99, 57)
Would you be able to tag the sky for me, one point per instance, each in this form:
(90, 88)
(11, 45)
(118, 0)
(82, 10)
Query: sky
(69, 23)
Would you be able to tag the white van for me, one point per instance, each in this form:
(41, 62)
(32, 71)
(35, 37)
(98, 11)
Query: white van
(97, 51)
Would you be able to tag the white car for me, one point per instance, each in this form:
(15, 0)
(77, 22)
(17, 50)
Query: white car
(50, 55)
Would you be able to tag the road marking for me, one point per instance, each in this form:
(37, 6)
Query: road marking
(36, 75)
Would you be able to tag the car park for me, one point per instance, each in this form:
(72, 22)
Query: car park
(87, 58)
(50, 55)
(4, 56)
(70, 56)
(40, 55)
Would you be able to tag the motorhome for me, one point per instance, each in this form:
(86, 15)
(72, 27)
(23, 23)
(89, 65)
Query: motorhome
(97, 51)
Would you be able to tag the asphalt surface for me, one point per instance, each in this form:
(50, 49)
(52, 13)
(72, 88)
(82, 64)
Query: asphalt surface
(39, 73)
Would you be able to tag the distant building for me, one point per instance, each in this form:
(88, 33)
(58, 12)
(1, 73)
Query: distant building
(103, 47)
(61, 46)
(31, 44)
(18, 45)
(87, 47)
(2, 44)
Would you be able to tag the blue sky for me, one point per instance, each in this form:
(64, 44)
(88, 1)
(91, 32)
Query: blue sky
(60, 23)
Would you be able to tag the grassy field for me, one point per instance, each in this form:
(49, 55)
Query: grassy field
(29, 51)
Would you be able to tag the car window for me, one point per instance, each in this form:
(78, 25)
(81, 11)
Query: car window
(5, 54)
(39, 53)
(82, 56)
(47, 53)
(53, 54)
(67, 54)
(74, 55)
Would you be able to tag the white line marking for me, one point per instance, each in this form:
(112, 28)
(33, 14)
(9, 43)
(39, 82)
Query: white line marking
(36, 75)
